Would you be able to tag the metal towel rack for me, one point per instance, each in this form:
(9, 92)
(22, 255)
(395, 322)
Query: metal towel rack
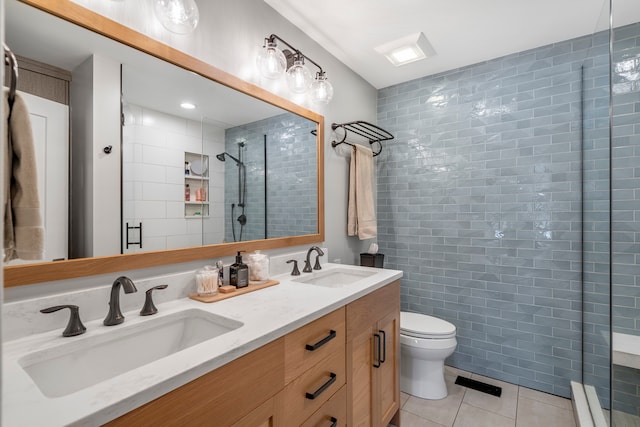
(10, 60)
(373, 133)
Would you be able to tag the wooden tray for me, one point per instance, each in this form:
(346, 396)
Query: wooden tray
(220, 296)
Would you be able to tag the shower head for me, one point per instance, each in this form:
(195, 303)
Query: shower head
(221, 157)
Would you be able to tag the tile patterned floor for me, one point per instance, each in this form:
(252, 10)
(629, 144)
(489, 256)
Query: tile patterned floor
(465, 407)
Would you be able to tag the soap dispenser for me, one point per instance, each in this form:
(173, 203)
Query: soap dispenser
(239, 272)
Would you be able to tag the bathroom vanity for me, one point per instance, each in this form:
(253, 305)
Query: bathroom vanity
(305, 354)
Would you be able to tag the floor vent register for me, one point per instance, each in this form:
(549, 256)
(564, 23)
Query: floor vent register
(480, 386)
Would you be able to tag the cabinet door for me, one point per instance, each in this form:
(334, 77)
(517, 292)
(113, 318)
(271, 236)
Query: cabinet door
(387, 376)
(361, 356)
(373, 387)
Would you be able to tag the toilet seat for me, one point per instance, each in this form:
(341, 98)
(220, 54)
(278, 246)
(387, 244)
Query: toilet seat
(418, 325)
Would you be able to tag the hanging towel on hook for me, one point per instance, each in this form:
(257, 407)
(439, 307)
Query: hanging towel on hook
(361, 219)
(23, 230)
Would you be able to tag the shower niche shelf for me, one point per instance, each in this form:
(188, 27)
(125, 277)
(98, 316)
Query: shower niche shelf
(196, 177)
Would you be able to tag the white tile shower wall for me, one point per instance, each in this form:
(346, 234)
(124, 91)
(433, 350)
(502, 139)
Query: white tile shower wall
(480, 205)
(154, 144)
(291, 204)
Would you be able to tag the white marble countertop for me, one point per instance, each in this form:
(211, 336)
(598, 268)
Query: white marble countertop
(266, 314)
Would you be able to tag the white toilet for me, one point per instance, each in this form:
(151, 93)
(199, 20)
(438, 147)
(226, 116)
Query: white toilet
(425, 342)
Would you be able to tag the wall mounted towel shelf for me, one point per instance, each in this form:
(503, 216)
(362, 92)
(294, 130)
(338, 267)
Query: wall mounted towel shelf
(373, 133)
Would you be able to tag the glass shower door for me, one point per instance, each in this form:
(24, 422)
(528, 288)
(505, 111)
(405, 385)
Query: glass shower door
(625, 208)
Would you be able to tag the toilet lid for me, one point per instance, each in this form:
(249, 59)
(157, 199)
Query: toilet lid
(423, 326)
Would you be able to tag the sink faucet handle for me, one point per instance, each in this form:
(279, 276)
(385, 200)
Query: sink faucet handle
(317, 265)
(75, 326)
(149, 308)
(295, 271)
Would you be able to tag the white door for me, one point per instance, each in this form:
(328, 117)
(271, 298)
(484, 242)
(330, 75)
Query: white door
(50, 125)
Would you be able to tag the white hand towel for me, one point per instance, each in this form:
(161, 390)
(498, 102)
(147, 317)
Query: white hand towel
(361, 215)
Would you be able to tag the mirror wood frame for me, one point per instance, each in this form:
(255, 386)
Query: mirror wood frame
(74, 268)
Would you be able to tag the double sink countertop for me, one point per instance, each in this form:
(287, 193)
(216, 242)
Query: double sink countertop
(265, 315)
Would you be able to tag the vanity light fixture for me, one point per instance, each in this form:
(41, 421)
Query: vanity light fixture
(273, 62)
(407, 49)
(177, 16)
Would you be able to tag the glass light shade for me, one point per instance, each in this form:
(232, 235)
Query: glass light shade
(321, 90)
(271, 61)
(177, 16)
(299, 77)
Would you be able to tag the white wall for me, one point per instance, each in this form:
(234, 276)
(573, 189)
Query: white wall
(106, 167)
(95, 111)
(229, 36)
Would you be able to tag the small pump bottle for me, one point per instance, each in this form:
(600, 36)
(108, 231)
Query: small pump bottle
(239, 272)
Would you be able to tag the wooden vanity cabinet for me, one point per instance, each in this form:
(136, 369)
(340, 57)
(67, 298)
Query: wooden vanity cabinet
(373, 358)
(348, 360)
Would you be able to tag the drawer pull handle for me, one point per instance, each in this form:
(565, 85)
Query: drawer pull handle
(377, 363)
(384, 346)
(323, 341)
(324, 386)
(334, 422)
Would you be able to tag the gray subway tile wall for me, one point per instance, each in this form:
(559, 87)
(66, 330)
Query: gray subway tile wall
(289, 205)
(481, 203)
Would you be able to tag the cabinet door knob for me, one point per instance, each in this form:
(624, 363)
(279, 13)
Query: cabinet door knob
(323, 341)
(334, 422)
(322, 388)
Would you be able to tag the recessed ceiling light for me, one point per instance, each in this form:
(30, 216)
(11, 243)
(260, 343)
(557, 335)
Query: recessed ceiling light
(407, 49)
(188, 106)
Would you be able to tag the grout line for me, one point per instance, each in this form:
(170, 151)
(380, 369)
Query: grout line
(517, 406)
(464, 392)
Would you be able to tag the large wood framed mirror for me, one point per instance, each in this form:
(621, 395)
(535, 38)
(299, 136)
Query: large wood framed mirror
(241, 151)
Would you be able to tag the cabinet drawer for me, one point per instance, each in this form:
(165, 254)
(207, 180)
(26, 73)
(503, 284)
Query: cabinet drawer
(322, 380)
(308, 345)
(333, 412)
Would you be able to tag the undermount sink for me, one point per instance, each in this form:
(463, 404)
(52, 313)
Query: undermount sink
(89, 360)
(334, 278)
